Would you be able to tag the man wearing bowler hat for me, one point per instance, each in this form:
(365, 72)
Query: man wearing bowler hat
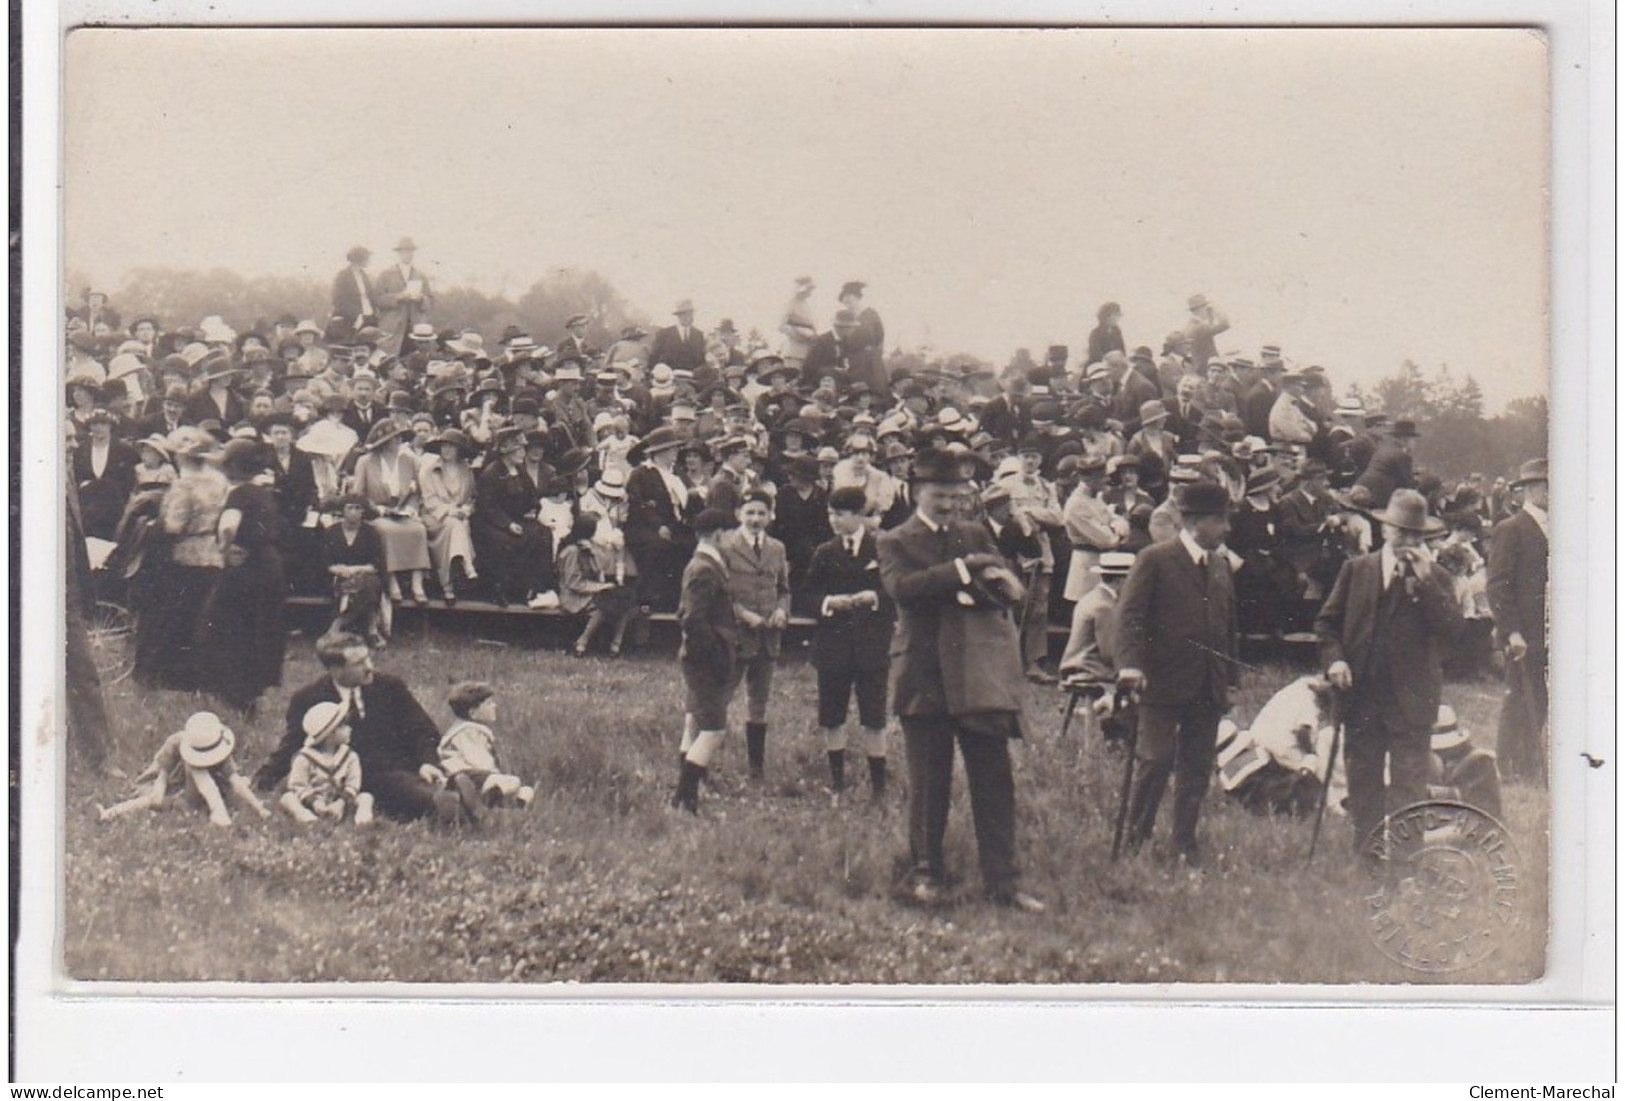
(1176, 650)
(1382, 632)
(403, 294)
(1518, 584)
(956, 677)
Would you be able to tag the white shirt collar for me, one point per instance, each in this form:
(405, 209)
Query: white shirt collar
(1389, 561)
(1540, 517)
(1192, 547)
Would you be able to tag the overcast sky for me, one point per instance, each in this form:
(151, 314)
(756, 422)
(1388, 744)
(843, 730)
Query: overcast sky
(1359, 197)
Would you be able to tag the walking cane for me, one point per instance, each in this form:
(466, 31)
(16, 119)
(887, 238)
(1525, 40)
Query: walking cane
(1122, 702)
(1331, 767)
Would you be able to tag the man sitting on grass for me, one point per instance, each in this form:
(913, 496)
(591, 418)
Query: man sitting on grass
(394, 737)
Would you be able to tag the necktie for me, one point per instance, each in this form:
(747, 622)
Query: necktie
(854, 543)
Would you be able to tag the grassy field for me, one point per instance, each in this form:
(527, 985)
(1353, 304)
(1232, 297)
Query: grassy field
(600, 882)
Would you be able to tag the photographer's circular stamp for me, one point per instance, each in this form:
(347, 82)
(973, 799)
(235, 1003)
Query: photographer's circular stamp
(1445, 886)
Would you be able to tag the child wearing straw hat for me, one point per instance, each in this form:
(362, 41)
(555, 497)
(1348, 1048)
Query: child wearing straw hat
(194, 763)
(325, 778)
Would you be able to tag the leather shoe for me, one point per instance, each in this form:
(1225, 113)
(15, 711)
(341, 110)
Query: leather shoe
(1021, 900)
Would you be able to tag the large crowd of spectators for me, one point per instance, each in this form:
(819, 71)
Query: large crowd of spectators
(561, 472)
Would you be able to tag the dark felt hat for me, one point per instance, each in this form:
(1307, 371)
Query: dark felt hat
(935, 465)
(1204, 499)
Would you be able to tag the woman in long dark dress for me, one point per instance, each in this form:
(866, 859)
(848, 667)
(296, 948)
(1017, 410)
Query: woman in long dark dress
(242, 637)
(180, 566)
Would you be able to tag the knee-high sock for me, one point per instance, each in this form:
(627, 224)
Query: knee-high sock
(705, 747)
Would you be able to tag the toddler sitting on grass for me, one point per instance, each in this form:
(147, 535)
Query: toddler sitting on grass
(195, 764)
(325, 778)
(468, 754)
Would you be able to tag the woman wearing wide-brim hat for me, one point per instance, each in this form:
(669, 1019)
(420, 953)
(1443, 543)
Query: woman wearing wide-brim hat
(657, 535)
(386, 474)
(241, 635)
(515, 550)
(447, 484)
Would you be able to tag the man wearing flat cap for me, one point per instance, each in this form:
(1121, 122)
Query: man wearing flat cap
(1383, 632)
(1518, 590)
(956, 677)
(1176, 651)
(354, 299)
(403, 294)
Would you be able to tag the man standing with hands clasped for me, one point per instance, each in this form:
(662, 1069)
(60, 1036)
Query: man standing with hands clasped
(956, 678)
(1382, 630)
(1176, 649)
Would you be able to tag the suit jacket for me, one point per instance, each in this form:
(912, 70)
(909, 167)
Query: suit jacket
(1256, 406)
(1179, 628)
(852, 640)
(801, 524)
(360, 422)
(395, 734)
(1517, 582)
(395, 314)
(826, 356)
(758, 581)
(1299, 527)
(155, 424)
(938, 667)
(348, 307)
(649, 506)
(670, 349)
(1134, 391)
(706, 615)
(1356, 623)
(1093, 649)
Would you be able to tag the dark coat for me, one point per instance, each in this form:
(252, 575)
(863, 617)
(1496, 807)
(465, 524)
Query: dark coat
(670, 349)
(1006, 418)
(295, 487)
(395, 734)
(503, 497)
(1356, 623)
(706, 616)
(1178, 631)
(827, 356)
(102, 499)
(1256, 404)
(854, 640)
(1518, 572)
(1388, 470)
(649, 507)
(360, 422)
(1103, 339)
(1134, 391)
(202, 408)
(941, 664)
(347, 307)
(367, 550)
(156, 425)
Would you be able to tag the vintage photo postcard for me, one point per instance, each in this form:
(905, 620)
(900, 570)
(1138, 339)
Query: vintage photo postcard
(825, 511)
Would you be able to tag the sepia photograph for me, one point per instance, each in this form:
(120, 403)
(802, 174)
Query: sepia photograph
(816, 508)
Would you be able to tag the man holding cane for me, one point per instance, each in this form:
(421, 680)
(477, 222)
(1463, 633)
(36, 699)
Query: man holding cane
(1382, 631)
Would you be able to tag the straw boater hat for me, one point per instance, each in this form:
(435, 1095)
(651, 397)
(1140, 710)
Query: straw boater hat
(1408, 510)
(206, 741)
(323, 719)
(1114, 564)
(1447, 731)
(611, 483)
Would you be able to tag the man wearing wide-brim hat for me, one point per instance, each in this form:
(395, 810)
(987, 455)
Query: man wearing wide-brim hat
(956, 677)
(1382, 632)
(1176, 651)
(680, 346)
(1518, 589)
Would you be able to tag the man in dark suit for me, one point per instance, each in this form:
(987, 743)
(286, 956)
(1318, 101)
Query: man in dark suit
(574, 343)
(170, 414)
(1382, 631)
(1517, 585)
(390, 732)
(680, 346)
(1176, 650)
(1259, 399)
(364, 411)
(217, 400)
(708, 654)
(851, 648)
(957, 678)
(354, 301)
(801, 523)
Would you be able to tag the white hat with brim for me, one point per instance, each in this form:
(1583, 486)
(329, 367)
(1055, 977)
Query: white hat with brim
(206, 741)
(322, 719)
(1447, 732)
